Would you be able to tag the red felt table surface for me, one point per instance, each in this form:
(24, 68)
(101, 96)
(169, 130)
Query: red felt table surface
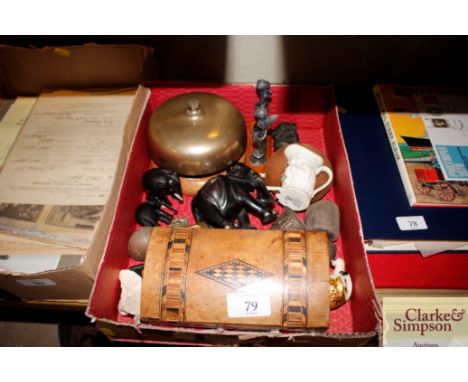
(412, 271)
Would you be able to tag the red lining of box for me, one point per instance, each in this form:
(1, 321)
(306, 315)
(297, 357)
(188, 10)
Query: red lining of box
(313, 110)
(412, 271)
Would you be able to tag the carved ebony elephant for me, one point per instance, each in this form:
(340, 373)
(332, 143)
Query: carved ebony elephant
(159, 183)
(225, 201)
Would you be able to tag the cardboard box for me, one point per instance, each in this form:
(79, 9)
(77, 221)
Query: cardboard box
(29, 72)
(313, 110)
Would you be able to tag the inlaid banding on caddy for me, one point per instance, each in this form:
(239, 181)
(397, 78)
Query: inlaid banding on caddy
(175, 275)
(295, 280)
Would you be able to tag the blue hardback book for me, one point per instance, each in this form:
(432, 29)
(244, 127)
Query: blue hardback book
(379, 189)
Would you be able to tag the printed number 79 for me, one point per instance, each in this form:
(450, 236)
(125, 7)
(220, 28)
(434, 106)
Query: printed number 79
(251, 306)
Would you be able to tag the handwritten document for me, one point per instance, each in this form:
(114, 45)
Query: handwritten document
(12, 122)
(67, 151)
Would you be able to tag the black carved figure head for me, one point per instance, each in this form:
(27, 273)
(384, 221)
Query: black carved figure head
(251, 180)
(263, 90)
(240, 171)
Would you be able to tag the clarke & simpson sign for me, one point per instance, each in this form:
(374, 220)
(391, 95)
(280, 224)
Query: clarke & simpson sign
(425, 321)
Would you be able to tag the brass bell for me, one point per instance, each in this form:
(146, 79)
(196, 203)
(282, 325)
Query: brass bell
(196, 134)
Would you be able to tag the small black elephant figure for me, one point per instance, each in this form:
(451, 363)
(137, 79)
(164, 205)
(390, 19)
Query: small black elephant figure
(225, 200)
(160, 183)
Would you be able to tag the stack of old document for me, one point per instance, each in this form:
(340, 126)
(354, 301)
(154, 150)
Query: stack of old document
(58, 156)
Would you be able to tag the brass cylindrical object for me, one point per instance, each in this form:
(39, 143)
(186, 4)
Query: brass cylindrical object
(196, 134)
(337, 293)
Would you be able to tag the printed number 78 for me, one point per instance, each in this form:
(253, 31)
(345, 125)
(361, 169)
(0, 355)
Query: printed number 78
(251, 306)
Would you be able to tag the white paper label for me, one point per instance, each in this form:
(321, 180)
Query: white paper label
(411, 223)
(36, 282)
(248, 305)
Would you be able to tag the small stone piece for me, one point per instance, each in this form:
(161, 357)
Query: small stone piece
(138, 243)
(130, 283)
(324, 215)
(288, 221)
(180, 222)
(285, 134)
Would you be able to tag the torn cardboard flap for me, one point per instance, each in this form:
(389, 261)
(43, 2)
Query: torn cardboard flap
(29, 71)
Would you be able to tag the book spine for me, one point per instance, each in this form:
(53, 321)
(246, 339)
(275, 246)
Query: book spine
(395, 147)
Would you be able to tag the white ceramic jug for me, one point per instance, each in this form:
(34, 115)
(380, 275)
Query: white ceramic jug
(298, 180)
